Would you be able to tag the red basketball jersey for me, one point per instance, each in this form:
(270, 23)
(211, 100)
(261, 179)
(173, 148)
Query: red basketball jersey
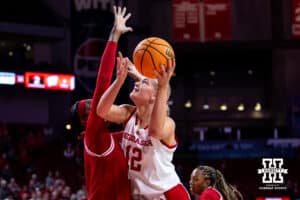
(210, 194)
(106, 170)
(107, 173)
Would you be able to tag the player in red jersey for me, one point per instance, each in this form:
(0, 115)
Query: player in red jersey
(106, 169)
(210, 184)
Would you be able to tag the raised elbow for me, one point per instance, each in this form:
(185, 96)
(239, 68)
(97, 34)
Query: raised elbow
(100, 112)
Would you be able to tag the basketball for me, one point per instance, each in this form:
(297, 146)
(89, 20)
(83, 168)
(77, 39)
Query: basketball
(150, 53)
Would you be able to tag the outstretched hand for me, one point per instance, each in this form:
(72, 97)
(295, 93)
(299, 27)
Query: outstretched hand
(133, 72)
(120, 26)
(164, 76)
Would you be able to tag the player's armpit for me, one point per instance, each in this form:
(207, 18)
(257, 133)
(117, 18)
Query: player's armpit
(119, 114)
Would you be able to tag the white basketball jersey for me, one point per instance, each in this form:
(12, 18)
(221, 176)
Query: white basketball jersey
(150, 168)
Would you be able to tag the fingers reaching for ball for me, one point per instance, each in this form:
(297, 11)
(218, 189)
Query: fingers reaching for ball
(165, 73)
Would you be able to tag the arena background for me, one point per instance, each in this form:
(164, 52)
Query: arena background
(235, 93)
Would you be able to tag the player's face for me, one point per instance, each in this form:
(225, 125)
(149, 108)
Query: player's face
(198, 182)
(143, 91)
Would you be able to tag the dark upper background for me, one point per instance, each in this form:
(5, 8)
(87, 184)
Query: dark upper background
(259, 64)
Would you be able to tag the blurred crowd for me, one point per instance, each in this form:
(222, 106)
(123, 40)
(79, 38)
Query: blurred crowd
(38, 164)
(51, 187)
(32, 161)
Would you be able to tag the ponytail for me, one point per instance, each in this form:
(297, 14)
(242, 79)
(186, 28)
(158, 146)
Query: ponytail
(217, 181)
(236, 192)
(223, 187)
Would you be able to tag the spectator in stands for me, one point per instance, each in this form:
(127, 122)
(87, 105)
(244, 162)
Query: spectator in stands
(49, 181)
(3, 161)
(23, 194)
(79, 154)
(209, 184)
(6, 173)
(14, 187)
(66, 193)
(81, 193)
(69, 152)
(48, 131)
(34, 183)
(57, 178)
(37, 194)
(46, 196)
(4, 190)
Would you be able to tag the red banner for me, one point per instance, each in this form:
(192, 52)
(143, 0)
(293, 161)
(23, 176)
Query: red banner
(217, 20)
(47, 81)
(186, 20)
(295, 18)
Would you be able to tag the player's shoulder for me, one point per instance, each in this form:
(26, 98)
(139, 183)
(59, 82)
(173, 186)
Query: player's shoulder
(128, 109)
(210, 194)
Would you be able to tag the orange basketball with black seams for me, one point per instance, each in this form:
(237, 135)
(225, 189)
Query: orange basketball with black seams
(150, 53)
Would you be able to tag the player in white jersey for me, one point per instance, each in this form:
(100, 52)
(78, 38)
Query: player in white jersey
(151, 171)
(149, 139)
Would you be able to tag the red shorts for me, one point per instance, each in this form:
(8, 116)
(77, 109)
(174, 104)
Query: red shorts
(177, 192)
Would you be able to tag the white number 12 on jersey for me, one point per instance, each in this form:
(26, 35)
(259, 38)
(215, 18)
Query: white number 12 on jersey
(135, 157)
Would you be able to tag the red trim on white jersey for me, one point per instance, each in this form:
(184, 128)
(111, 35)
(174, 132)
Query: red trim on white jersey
(169, 146)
